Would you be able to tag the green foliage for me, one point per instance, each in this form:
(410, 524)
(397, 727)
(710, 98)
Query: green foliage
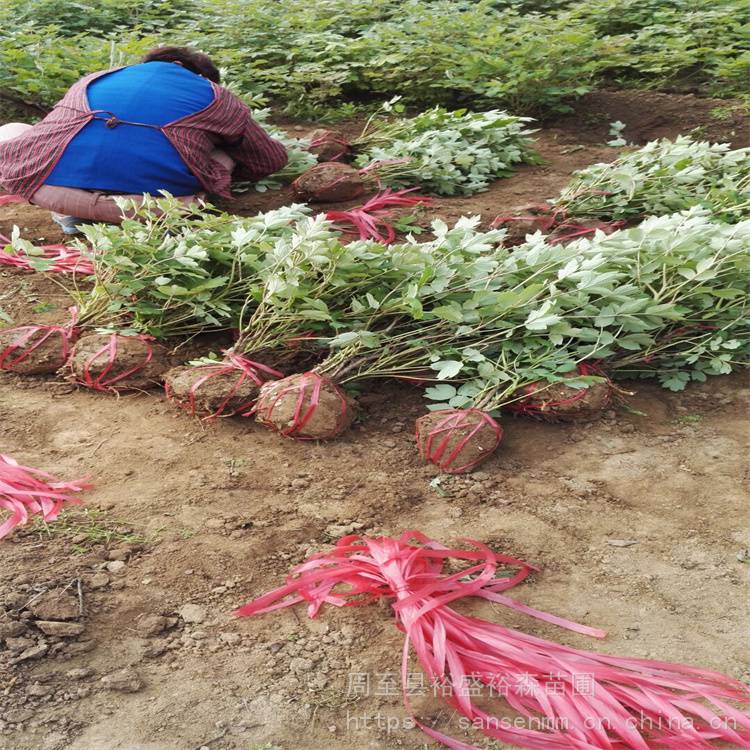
(450, 152)
(39, 64)
(662, 177)
(97, 17)
(173, 271)
(329, 59)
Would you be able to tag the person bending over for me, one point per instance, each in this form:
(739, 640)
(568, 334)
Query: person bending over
(164, 124)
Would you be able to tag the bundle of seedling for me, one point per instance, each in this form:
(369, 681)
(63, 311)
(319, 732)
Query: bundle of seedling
(160, 278)
(663, 177)
(319, 293)
(438, 151)
(660, 178)
(537, 331)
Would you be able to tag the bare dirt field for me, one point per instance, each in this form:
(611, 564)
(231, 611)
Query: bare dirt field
(189, 520)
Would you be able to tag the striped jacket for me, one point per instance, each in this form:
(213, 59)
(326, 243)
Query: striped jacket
(26, 161)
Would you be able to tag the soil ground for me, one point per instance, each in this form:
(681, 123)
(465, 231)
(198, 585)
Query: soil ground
(639, 522)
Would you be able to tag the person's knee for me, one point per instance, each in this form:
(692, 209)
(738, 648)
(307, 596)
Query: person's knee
(223, 158)
(12, 130)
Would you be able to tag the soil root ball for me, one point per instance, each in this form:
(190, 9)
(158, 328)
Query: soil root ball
(523, 220)
(329, 145)
(306, 406)
(457, 440)
(114, 362)
(558, 402)
(35, 349)
(213, 390)
(329, 182)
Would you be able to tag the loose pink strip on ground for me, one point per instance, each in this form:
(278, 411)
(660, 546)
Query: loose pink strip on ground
(631, 704)
(29, 492)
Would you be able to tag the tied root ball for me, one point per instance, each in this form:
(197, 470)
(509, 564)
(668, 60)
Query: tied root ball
(112, 361)
(457, 440)
(306, 406)
(329, 145)
(211, 390)
(329, 182)
(558, 402)
(34, 349)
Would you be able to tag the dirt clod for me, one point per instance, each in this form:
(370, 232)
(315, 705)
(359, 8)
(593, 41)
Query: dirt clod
(55, 605)
(64, 629)
(123, 681)
(192, 613)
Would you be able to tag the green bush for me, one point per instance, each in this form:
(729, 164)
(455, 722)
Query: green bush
(314, 59)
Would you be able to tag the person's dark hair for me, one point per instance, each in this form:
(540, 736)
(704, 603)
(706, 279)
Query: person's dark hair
(189, 58)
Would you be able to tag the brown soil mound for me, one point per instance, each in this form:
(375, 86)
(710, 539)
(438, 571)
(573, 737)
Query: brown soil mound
(133, 363)
(306, 406)
(42, 353)
(211, 390)
(329, 182)
(457, 440)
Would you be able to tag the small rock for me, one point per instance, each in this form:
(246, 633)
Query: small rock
(115, 566)
(155, 649)
(192, 613)
(18, 715)
(199, 635)
(11, 629)
(19, 644)
(124, 681)
(39, 690)
(55, 605)
(231, 639)
(151, 624)
(15, 599)
(79, 673)
(621, 542)
(120, 554)
(35, 652)
(215, 523)
(300, 665)
(79, 647)
(63, 629)
(99, 581)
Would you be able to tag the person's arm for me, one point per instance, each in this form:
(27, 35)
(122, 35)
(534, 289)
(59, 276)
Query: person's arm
(255, 153)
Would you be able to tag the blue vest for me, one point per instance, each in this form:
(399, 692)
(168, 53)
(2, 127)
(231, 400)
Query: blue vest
(131, 158)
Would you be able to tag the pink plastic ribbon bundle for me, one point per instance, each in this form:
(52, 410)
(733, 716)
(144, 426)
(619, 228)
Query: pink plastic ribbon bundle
(370, 221)
(64, 259)
(29, 492)
(629, 703)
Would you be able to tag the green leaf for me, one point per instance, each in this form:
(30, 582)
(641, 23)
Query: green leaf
(447, 368)
(440, 392)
